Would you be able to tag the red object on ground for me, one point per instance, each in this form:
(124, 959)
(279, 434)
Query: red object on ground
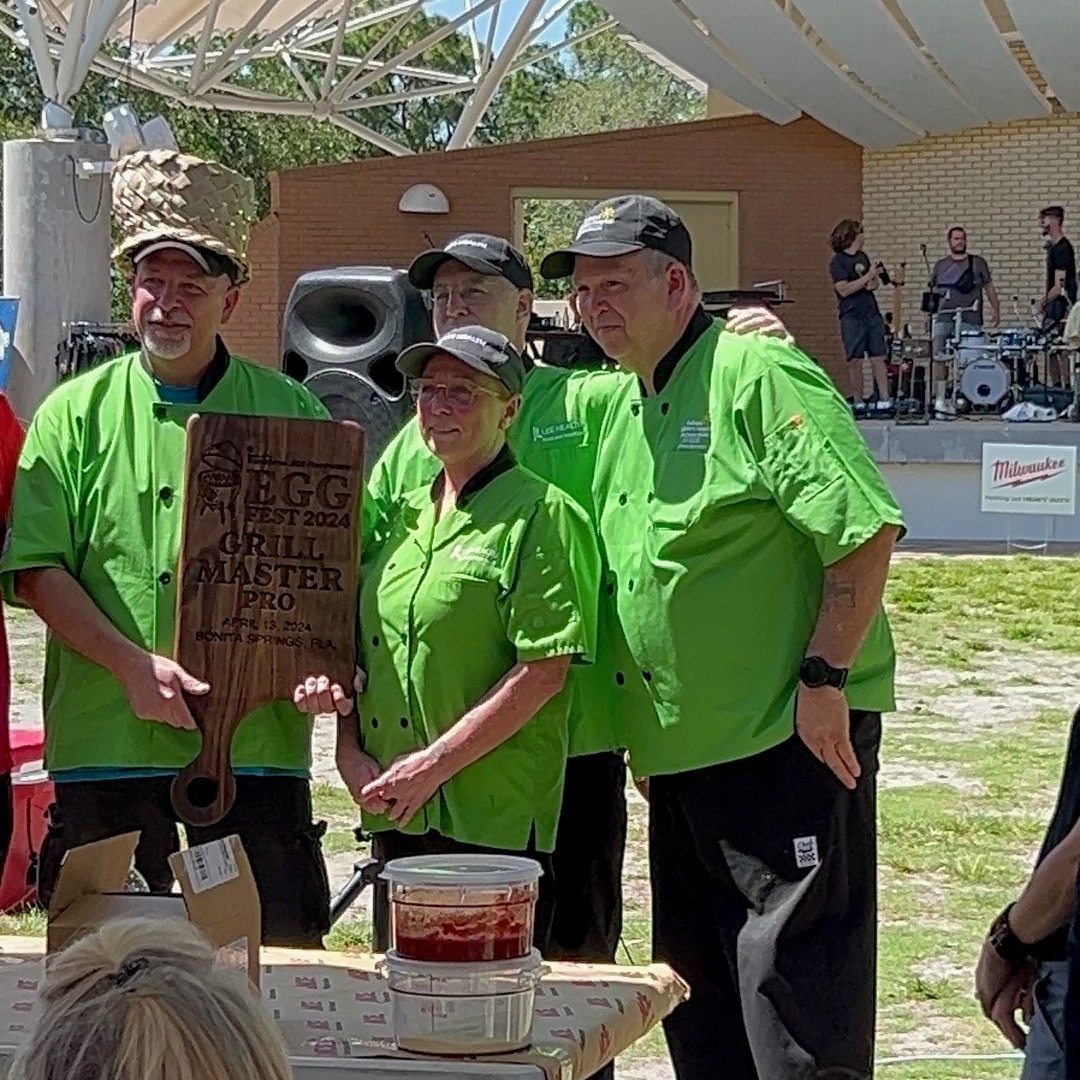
(32, 793)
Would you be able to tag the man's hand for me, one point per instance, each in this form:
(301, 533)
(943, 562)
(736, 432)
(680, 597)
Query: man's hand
(756, 320)
(155, 688)
(1015, 997)
(991, 974)
(821, 719)
(317, 695)
(407, 785)
(357, 770)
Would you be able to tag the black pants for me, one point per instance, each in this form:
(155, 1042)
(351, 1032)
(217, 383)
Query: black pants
(271, 815)
(764, 876)
(398, 845)
(588, 860)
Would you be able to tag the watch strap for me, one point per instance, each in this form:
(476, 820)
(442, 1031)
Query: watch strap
(1005, 943)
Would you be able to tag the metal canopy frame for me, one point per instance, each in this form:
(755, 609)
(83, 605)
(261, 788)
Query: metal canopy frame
(194, 50)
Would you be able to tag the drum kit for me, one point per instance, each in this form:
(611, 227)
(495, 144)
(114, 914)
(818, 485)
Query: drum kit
(988, 371)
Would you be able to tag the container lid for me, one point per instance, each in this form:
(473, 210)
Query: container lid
(482, 871)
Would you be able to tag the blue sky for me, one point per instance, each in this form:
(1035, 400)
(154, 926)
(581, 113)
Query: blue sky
(452, 8)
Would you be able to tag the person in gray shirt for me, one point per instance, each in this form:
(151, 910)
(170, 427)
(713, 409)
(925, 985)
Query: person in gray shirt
(960, 280)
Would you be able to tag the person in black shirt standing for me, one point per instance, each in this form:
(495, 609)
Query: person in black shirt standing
(1060, 280)
(861, 326)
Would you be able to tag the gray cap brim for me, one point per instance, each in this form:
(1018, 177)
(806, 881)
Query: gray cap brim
(560, 264)
(414, 360)
(426, 265)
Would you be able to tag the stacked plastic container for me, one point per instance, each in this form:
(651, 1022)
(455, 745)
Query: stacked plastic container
(461, 966)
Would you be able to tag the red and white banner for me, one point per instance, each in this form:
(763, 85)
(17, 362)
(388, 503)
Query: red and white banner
(1028, 479)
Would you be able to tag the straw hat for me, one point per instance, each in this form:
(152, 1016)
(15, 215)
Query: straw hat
(165, 195)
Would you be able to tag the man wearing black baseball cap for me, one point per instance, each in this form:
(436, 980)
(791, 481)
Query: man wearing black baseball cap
(622, 226)
(482, 279)
(747, 532)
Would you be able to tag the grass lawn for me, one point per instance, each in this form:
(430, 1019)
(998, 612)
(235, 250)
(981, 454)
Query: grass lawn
(989, 672)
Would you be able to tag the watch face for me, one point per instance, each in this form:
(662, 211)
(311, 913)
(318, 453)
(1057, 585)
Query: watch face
(813, 671)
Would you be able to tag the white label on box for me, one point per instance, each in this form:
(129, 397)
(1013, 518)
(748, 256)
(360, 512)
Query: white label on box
(210, 865)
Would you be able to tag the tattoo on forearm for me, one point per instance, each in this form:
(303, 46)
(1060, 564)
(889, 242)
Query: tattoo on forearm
(838, 594)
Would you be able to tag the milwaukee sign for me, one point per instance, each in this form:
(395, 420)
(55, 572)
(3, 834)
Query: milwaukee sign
(1028, 479)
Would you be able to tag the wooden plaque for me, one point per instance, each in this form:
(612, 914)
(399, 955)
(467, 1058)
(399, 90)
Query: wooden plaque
(268, 577)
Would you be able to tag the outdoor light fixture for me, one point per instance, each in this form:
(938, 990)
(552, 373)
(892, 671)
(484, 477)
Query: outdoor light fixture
(424, 199)
(126, 134)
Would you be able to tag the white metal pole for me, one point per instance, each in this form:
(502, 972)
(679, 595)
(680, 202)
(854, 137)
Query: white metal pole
(481, 99)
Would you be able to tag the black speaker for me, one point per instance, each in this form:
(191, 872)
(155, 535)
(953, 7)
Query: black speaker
(343, 329)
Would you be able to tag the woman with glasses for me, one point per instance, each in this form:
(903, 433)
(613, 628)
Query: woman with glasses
(478, 593)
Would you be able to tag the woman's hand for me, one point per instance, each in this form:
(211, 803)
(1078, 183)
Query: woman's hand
(407, 785)
(357, 770)
(317, 695)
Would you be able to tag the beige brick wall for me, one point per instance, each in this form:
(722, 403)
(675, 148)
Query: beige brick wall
(993, 181)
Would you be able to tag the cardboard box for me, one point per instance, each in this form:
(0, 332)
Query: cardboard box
(217, 894)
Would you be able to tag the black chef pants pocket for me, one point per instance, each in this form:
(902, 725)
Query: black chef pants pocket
(272, 816)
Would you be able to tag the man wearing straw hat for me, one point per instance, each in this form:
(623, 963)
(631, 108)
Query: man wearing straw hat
(94, 546)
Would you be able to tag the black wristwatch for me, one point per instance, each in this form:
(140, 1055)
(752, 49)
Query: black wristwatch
(816, 671)
(1005, 943)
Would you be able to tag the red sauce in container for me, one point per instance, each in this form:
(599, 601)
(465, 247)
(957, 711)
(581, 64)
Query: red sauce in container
(462, 909)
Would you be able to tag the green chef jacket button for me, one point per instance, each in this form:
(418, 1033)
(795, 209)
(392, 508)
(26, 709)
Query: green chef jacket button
(374, 641)
(404, 639)
(620, 678)
(630, 586)
(404, 721)
(165, 577)
(622, 499)
(635, 408)
(664, 408)
(166, 493)
(374, 721)
(611, 588)
(647, 676)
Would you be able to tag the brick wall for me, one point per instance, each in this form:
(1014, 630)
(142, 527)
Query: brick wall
(992, 180)
(793, 184)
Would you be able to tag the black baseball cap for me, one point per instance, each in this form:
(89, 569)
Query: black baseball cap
(478, 251)
(620, 226)
(487, 351)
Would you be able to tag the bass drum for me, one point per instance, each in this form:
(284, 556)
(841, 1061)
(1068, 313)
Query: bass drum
(985, 381)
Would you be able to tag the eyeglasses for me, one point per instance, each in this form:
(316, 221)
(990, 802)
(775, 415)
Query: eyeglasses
(458, 395)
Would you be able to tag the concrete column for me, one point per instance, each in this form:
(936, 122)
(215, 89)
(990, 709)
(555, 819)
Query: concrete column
(56, 252)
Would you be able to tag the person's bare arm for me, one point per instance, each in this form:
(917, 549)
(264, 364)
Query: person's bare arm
(1058, 287)
(1048, 900)
(514, 700)
(1046, 904)
(846, 288)
(851, 597)
(994, 302)
(155, 685)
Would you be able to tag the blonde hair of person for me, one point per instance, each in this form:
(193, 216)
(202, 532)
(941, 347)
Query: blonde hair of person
(141, 999)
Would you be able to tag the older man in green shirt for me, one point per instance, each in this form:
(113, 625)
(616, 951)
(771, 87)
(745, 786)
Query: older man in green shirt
(748, 536)
(94, 546)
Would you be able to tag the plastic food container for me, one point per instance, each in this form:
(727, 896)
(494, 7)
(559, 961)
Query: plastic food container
(461, 909)
(461, 1009)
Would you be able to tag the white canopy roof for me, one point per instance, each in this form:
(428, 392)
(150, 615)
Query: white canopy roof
(881, 72)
